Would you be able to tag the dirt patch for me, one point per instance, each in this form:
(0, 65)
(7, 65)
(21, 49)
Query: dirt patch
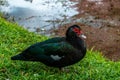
(105, 38)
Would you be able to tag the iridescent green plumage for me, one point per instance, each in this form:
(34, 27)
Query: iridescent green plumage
(56, 52)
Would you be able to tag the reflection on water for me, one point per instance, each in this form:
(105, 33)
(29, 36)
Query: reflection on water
(39, 13)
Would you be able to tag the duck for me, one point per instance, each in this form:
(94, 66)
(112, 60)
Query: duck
(57, 52)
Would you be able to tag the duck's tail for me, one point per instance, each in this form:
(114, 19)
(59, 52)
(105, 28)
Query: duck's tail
(18, 57)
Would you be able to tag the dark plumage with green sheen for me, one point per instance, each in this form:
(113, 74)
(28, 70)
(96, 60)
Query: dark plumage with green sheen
(57, 52)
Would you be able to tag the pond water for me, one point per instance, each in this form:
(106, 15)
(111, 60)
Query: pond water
(39, 15)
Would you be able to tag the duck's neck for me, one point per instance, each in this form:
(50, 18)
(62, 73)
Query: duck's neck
(78, 43)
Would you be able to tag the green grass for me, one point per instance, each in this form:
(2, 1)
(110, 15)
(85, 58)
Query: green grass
(14, 39)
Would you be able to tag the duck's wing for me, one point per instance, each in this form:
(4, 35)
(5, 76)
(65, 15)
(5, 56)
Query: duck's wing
(58, 49)
(36, 49)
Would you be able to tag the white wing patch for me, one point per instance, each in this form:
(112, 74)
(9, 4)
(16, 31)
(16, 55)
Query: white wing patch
(56, 57)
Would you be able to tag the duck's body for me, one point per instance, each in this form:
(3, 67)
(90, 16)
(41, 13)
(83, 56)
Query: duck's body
(56, 52)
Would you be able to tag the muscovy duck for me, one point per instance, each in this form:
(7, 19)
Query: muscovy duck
(57, 52)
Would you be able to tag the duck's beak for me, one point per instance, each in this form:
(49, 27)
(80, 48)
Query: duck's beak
(83, 36)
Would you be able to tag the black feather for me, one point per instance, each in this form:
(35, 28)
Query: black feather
(56, 52)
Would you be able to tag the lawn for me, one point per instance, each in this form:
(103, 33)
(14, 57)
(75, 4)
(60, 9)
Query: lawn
(14, 39)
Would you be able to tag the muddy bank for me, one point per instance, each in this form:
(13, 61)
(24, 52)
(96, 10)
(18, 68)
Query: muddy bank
(105, 38)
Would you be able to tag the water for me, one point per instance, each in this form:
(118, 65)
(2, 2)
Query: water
(39, 14)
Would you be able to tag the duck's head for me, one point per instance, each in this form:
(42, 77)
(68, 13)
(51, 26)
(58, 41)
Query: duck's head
(74, 31)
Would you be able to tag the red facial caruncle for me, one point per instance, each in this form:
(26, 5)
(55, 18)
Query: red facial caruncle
(78, 31)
